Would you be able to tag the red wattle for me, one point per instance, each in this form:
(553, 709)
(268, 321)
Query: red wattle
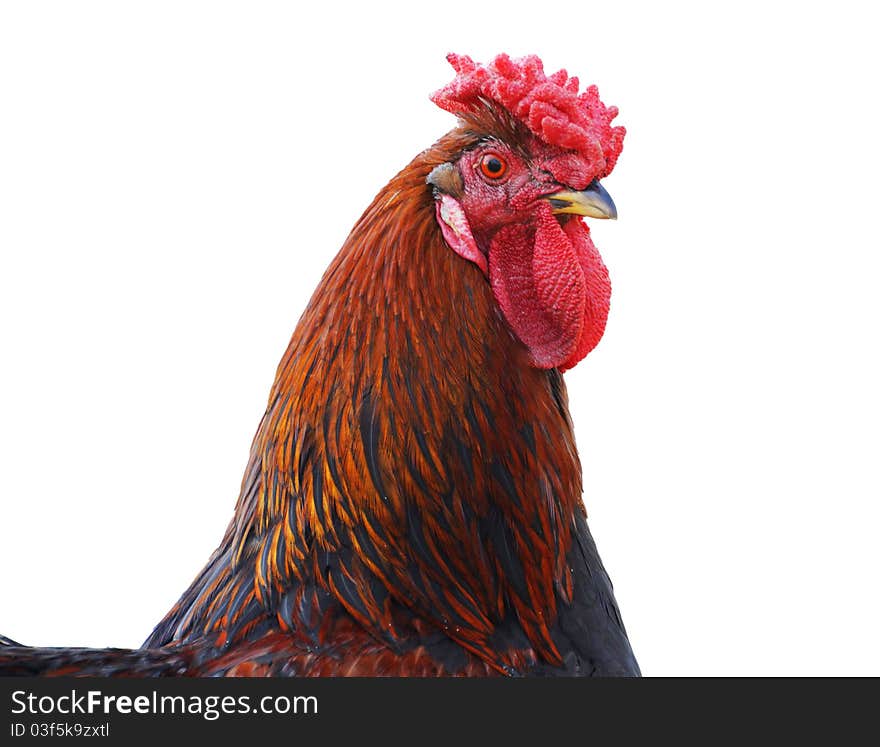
(552, 288)
(598, 291)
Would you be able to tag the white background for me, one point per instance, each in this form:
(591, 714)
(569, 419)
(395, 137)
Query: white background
(175, 176)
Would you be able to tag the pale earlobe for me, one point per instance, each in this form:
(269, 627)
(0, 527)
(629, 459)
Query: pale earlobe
(457, 232)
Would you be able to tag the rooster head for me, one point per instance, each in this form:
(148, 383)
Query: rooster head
(514, 200)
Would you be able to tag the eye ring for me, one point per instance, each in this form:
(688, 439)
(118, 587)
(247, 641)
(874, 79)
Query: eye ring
(493, 167)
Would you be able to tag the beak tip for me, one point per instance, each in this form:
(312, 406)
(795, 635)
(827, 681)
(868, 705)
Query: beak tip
(593, 202)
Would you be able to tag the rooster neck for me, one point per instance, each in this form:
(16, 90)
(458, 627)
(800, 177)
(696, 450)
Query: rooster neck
(430, 467)
(411, 466)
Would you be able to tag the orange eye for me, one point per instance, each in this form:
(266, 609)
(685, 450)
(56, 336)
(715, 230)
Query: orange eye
(493, 166)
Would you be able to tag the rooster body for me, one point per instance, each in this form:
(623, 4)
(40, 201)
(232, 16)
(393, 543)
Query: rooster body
(412, 501)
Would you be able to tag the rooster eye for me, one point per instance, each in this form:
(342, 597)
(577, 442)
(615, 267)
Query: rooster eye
(493, 167)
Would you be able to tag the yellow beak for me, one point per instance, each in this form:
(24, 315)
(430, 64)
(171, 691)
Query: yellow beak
(593, 202)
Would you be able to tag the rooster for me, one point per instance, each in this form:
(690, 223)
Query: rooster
(412, 502)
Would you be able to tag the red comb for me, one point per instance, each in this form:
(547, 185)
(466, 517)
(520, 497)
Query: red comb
(550, 107)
